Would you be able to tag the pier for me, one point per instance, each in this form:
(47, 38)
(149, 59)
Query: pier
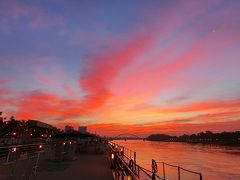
(59, 159)
(84, 167)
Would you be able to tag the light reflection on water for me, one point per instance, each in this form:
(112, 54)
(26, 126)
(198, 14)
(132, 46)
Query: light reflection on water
(214, 162)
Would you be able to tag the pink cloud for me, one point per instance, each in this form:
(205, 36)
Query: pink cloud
(161, 71)
(38, 18)
(101, 70)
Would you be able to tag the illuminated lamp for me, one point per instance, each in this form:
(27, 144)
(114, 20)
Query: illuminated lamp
(14, 149)
(129, 177)
(112, 156)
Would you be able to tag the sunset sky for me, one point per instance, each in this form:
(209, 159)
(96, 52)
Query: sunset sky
(140, 67)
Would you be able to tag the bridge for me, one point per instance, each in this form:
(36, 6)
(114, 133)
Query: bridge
(126, 136)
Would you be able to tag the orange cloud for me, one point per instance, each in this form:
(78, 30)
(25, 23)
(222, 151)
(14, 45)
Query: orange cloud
(45, 106)
(191, 107)
(173, 129)
(202, 106)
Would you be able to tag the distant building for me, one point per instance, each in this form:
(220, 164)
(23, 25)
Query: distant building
(35, 123)
(82, 129)
(69, 129)
(40, 129)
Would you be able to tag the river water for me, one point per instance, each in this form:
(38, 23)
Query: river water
(214, 162)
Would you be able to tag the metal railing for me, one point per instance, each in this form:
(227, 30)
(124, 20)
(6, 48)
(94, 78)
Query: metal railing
(178, 169)
(15, 152)
(22, 161)
(123, 160)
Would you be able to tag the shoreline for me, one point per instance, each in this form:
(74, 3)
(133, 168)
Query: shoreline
(203, 143)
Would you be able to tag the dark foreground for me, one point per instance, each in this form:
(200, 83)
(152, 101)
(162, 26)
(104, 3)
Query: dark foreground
(92, 167)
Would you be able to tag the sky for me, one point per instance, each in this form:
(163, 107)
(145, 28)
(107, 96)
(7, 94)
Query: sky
(139, 67)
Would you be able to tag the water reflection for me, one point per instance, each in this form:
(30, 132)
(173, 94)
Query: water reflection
(214, 162)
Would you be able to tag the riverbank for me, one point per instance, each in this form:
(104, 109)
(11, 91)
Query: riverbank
(208, 137)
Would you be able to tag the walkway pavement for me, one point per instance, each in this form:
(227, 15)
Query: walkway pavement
(85, 167)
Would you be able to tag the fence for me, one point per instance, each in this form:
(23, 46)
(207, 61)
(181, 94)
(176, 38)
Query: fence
(21, 161)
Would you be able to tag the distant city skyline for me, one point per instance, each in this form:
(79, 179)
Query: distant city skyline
(140, 67)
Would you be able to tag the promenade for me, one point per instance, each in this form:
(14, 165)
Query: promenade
(90, 167)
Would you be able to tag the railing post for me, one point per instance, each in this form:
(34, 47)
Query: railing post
(135, 161)
(122, 175)
(154, 168)
(126, 152)
(36, 165)
(134, 158)
(8, 155)
(153, 176)
(116, 175)
(164, 176)
(138, 171)
(178, 173)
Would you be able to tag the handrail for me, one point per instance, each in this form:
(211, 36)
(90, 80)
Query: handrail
(14, 152)
(29, 144)
(178, 169)
(194, 172)
(145, 169)
(168, 164)
(21, 145)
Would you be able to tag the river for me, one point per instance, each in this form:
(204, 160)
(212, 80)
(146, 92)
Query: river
(214, 162)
